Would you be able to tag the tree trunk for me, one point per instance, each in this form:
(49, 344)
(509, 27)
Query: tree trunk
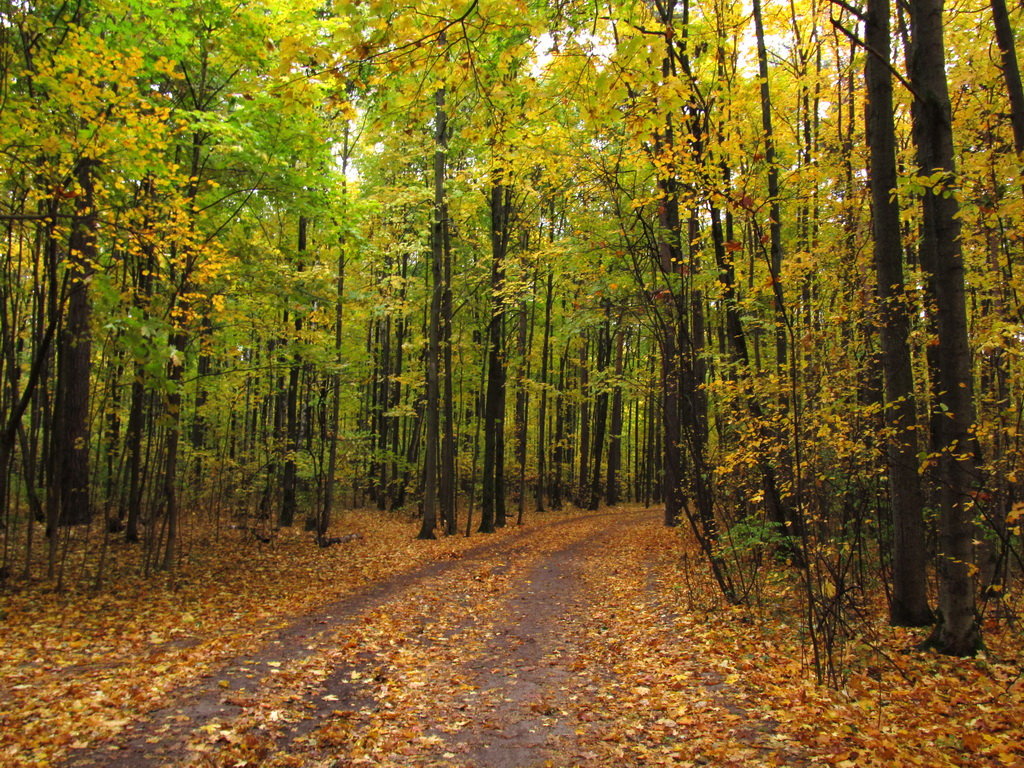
(581, 492)
(604, 353)
(71, 436)
(324, 518)
(433, 390)
(169, 490)
(542, 408)
(672, 313)
(909, 605)
(449, 467)
(493, 501)
(612, 493)
(558, 453)
(204, 367)
(672, 473)
(137, 409)
(775, 207)
(940, 251)
(1011, 71)
(522, 405)
(289, 478)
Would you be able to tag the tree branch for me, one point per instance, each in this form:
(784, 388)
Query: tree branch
(857, 41)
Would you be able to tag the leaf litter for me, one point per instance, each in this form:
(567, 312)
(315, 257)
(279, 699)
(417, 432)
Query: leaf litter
(578, 640)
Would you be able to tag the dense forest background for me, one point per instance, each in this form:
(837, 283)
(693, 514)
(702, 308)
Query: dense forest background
(474, 260)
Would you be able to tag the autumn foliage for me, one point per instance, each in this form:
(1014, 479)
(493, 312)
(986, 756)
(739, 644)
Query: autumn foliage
(473, 263)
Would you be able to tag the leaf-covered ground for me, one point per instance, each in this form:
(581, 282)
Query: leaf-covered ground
(577, 640)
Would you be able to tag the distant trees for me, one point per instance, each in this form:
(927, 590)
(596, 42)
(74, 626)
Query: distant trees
(668, 254)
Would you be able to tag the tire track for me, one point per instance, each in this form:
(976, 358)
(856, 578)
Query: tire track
(320, 664)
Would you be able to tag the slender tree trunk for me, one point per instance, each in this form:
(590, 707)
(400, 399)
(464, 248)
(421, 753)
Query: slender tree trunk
(433, 389)
(1011, 71)
(324, 518)
(775, 206)
(394, 398)
(133, 445)
(449, 466)
(204, 367)
(558, 453)
(672, 314)
(139, 400)
(604, 353)
(289, 478)
(695, 406)
(12, 424)
(542, 408)
(169, 490)
(909, 605)
(581, 492)
(522, 406)
(493, 502)
(382, 418)
(672, 474)
(612, 492)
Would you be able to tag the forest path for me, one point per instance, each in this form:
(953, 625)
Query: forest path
(557, 646)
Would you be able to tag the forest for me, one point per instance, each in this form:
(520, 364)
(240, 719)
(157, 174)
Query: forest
(471, 263)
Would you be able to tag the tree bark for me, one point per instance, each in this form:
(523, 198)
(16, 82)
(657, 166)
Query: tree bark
(324, 518)
(169, 489)
(1011, 71)
(289, 477)
(71, 436)
(957, 632)
(449, 470)
(909, 604)
(522, 407)
(558, 454)
(433, 389)
(604, 353)
(775, 207)
(493, 501)
(612, 493)
(542, 408)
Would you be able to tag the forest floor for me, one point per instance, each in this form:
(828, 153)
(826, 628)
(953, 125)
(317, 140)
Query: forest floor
(585, 639)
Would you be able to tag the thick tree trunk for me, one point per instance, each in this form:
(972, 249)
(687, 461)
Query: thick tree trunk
(909, 605)
(71, 435)
(957, 632)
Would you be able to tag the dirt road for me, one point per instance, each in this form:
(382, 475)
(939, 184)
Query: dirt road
(557, 646)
